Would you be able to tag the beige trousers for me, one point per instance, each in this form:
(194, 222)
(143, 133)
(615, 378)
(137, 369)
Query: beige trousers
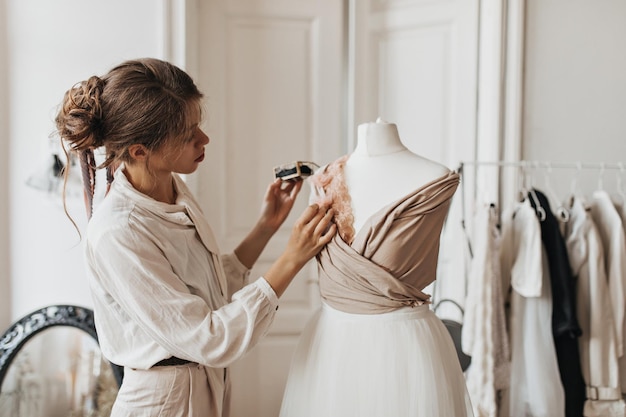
(189, 390)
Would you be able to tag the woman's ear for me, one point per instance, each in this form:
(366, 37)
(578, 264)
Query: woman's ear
(138, 152)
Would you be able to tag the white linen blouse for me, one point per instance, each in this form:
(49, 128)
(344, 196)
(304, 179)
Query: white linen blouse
(161, 288)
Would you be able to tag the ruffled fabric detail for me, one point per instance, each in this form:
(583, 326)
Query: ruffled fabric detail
(330, 188)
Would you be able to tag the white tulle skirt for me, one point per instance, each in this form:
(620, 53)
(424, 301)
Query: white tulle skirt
(399, 364)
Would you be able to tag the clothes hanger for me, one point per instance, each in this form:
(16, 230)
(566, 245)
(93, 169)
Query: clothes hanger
(601, 177)
(561, 212)
(621, 192)
(521, 183)
(541, 212)
(574, 189)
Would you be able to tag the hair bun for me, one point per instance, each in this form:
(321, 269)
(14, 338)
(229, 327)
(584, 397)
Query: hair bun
(80, 119)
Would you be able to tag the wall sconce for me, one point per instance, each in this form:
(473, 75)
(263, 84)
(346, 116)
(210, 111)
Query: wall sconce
(49, 177)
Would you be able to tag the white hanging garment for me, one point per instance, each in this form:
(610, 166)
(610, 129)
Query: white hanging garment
(598, 344)
(620, 206)
(538, 391)
(485, 337)
(611, 230)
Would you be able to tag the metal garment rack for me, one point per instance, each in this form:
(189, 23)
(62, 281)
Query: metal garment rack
(547, 164)
(529, 165)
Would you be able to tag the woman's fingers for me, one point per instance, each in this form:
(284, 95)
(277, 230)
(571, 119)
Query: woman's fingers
(312, 231)
(309, 214)
(318, 224)
(289, 186)
(295, 189)
(325, 228)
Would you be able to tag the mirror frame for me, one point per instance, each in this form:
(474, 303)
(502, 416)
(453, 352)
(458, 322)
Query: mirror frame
(32, 324)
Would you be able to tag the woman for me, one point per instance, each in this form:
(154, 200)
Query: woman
(168, 306)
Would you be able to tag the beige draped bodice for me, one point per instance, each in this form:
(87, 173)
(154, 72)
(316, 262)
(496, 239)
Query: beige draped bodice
(388, 262)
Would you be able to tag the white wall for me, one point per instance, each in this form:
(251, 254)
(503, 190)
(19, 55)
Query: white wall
(575, 87)
(51, 46)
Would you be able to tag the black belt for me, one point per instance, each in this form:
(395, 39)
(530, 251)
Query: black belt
(172, 361)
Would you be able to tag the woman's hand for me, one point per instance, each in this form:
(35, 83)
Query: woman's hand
(277, 203)
(311, 232)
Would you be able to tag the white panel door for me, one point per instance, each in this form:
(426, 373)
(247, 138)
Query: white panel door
(414, 63)
(272, 75)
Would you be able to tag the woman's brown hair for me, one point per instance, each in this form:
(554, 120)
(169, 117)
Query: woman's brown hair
(143, 101)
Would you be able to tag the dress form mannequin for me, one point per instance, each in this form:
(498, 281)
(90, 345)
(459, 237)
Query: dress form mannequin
(382, 170)
(375, 347)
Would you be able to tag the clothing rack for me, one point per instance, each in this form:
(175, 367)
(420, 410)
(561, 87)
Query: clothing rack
(546, 164)
(527, 165)
(534, 165)
(492, 173)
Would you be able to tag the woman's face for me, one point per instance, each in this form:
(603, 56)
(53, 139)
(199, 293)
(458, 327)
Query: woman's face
(185, 158)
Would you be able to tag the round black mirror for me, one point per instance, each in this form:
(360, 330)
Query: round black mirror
(50, 363)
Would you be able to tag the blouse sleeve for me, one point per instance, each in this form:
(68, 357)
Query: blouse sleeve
(236, 273)
(140, 293)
